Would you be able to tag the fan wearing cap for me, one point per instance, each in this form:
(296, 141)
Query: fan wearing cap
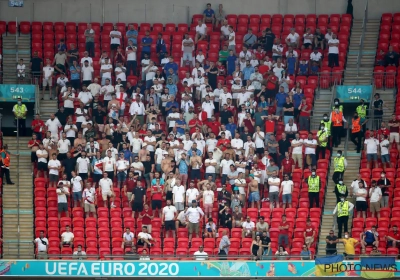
(194, 214)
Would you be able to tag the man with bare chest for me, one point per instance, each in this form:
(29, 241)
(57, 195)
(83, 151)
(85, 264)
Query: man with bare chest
(79, 141)
(166, 164)
(253, 193)
(196, 164)
(143, 153)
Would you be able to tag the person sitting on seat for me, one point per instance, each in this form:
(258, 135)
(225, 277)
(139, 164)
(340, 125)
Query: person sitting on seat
(144, 238)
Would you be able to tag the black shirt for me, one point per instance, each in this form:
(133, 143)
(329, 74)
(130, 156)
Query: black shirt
(284, 146)
(288, 106)
(270, 41)
(147, 166)
(139, 193)
(98, 116)
(262, 39)
(243, 136)
(265, 240)
(71, 59)
(225, 115)
(117, 138)
(378, 104)
(331, 238)
(227, 197)
(36, 64)
(224, 220)
(69, 165)
(62, 117)
(129, 91)
(382, 183)
(94, 104)
(319, 36)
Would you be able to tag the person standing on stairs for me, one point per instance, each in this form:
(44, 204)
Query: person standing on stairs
(343, 209)
(20, 112)
(340, 190)
(338, 121)
(354, 187)
(322, 139)
(340, 165)
(328, 128)
(5, 166)
(356, 131)
(314, 185)
(362, 113)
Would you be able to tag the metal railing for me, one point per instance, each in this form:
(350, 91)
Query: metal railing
(346, 142)
(11, 248)
(361, 42)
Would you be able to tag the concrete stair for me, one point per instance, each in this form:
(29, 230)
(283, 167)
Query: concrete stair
(328, 220)
(11, 55)
(18, 234)
(321, 106)
(364, 77)
(47, 107)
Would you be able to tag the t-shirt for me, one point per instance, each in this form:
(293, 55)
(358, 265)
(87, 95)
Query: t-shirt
(372, 145)
(115, 40)
(287, 187)
(200, 256)
(208, 197)
(248, 225)
(54, 163)
(169, 213)
(158, 192)
(76, 184)
(333, 49)
(201, 29)
(105, 185)
(297, 150)
(192, 194)
(67, 236)
(275, 181)
(384, 147)
(309, 230)
(41, 247)
(310, 150)
(331, 238)
(179, 192)
(349, 245)
(284, 231)
(361, 191)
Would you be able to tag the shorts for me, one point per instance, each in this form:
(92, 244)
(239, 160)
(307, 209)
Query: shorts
(179, 206)
(187, 56)
(89, 208)
(375, 207)
(34, 157)
(260, 151)
(62, 207)
(169, 195)
(114, 46)
(106, 195)
(35, 74)
(385, 158)
(169, 225)
(47, 82)
(53, 178)
(254, 196)
(77, 195)
(394, 136)
(42, 166)
(84, 176)
(361, 205)
(156, 204)
(307, 45)
(193, 227)
(313, 159)
(369, 243)
(287, 198)
(372, 157)
(273, 196)
(140, 242)
(137, 206)
(121, 176)
(97, 177)
(309, 240)
(208, 208)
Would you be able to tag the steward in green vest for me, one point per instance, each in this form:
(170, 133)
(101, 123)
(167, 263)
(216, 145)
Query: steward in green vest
(343, 209)
(20, 112)
(340, 190)
(322, 140)
(337, 104)
(314, 185)
(339, 165)
(362, 109)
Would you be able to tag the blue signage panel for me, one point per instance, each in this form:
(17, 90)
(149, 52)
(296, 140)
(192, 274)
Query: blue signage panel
(10, 93)
(348, 94)
(171, 268)
(16, 3)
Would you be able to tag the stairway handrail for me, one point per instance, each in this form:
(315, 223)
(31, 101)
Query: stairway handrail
(361, 42)
(346, 142)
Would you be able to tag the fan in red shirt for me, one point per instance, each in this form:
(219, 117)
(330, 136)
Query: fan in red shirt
(309, 234)
(156, 197)
(249, 123)
(382, 131)
(38, 127)
(222, 142)
(230, 107)
(287, 165)
(202, 115)
(260, 53)
(263, 69)
(146, 216)
(193, 123)
(214, 125)
(130, 184)
(393, 237)
(283, 237)
(271, 81)
(33, 144)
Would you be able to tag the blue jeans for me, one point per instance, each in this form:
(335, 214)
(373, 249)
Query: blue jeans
(90, 48)
(149, 83)
(158, 168)
(131, 65)
(223, 179)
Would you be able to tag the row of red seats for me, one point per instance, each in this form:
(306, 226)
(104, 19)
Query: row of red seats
(388, 18)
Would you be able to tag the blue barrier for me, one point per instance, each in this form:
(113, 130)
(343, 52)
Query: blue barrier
(81, 268)
(348, 94)
(10, 93)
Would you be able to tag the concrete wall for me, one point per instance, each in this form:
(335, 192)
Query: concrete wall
(178, 10)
